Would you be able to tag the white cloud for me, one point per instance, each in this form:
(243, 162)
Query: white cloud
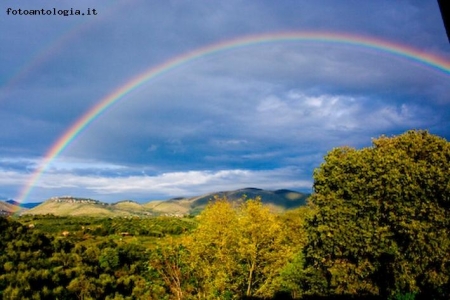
(144, 187)
(73, 164)
(12, 178)
(111, 182)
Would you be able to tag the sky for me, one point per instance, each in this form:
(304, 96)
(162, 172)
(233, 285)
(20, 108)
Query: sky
(250, 115)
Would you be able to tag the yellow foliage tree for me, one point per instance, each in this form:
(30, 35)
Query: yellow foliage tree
(262, 247)
(213, 250)
(238, 250)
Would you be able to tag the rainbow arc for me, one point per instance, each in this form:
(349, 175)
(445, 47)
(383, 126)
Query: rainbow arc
(417, 56)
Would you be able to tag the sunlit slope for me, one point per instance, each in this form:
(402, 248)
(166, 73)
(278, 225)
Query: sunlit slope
(6, 208)
(128, 206)
(172, 206)
(71, 206)
(278, 200)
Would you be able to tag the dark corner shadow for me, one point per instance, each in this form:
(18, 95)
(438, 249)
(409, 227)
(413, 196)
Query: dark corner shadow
(444, 6)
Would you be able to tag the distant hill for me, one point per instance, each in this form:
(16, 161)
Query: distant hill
(73, 206)
(7, 209)
(278, 200)
(10, 206)
(24, 205)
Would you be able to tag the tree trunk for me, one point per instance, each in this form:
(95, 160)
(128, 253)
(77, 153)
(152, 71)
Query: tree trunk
(250, 278)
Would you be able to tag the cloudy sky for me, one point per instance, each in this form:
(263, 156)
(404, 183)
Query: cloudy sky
(259, 115)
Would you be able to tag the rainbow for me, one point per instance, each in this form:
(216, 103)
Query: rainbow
(411, 54)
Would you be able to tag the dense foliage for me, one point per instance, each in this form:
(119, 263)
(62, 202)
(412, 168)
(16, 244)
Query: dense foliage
(39, 266)
(377, 225)
(84, 227)
(383, 219)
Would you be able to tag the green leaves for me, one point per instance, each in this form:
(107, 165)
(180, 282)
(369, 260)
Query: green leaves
(383, 217)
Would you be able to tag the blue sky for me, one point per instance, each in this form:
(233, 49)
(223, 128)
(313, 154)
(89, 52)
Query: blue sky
(256, 116)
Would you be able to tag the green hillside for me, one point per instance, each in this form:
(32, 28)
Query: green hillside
(72, 206)
(278, 201)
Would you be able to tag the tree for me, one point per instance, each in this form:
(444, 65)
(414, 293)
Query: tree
(293, 273)
(383, 218)
(262, 248)
(238, 250)
(212, 248)
(169, 262)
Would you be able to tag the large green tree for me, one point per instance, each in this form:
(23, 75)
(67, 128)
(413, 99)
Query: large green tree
(382, 219)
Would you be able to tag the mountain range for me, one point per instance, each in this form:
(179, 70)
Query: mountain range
(278, 200)
(23, 205)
